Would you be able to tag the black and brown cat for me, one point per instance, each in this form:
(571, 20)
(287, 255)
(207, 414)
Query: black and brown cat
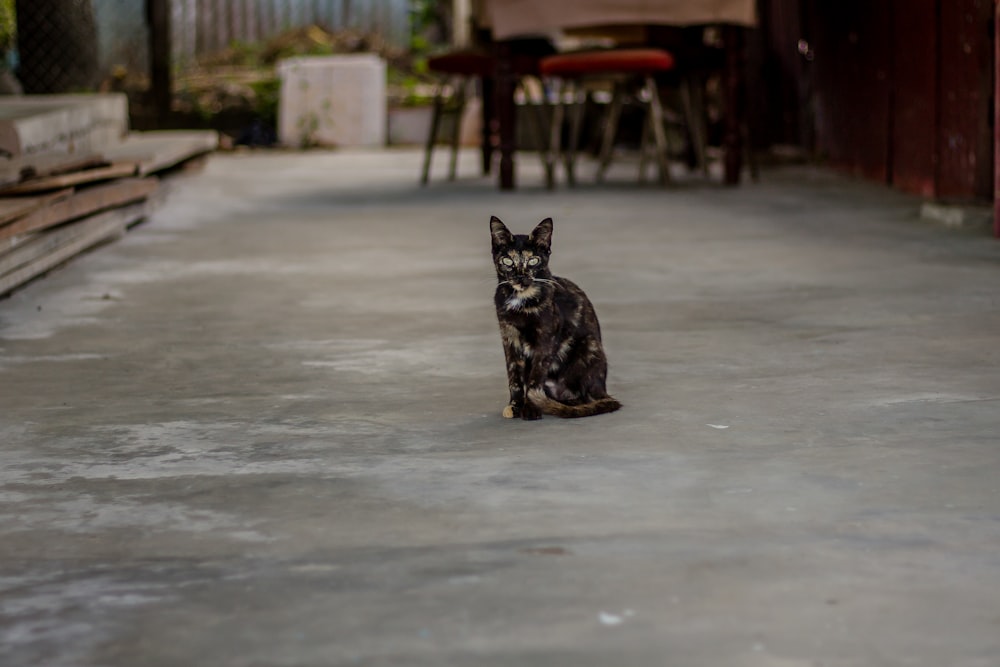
(551, 337)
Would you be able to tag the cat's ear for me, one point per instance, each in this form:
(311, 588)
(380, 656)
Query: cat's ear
(501, 235)
(542, 234)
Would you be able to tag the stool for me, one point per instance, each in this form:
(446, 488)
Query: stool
(460, 69)
(624, 67)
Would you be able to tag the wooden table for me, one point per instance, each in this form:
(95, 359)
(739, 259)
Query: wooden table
(514, 19)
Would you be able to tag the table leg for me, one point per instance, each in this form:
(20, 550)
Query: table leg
(489, 116)
(506, 116)
(996, 137)
(735, 108)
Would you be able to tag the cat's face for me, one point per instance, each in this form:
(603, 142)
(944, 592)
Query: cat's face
(521, 259)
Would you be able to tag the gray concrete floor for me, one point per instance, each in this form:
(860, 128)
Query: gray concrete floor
(264, 429)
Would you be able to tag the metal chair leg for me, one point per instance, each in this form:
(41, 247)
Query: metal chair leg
(610, 130)
(644, 151)
(693, 117)
(575, 125)
(456, 130)
(537, 123)
(487, 86)
(659, 135)
(748, 153)
(555, 134)
(432, 134)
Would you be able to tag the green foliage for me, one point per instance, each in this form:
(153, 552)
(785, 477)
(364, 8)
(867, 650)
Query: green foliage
(8, 25)
(428, 24)
(267, 93)
(419, 44)
(308, 124)
(307, 41)
(420, 67)
(411, 86)
(245, 54)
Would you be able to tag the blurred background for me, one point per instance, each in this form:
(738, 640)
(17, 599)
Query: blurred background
(896, 92)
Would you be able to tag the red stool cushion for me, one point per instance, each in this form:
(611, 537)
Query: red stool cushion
(632, 61)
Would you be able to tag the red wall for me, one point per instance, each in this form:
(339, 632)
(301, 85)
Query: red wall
(965, 85)
(896, 90)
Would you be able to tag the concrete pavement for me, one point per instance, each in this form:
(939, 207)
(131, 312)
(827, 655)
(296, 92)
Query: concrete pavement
(264, 429)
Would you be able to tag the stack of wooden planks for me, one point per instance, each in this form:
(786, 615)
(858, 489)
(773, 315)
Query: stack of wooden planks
(53, 207)
(56, 207)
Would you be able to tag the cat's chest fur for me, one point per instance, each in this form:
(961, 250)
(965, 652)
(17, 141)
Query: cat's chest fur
(553, 307)
(525, 322)
(527, 302)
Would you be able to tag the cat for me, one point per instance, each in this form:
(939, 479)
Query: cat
(551, 337)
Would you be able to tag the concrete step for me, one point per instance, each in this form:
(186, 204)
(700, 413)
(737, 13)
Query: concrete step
(66, 124)
(156, 151)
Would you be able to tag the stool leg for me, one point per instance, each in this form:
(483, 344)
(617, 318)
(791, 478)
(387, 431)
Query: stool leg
(432, 134)
(610, 130)
(575, 125)
(537, 122)
(749, 155)
(643, 151)
(695, 124)
(456, 131)
(555, 135)
(489, 112)
(659, 135)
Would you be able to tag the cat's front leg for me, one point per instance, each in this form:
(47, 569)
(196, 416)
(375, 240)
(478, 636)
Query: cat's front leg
(515, 381)
(530, 411)
(534, 382)
(520, 405)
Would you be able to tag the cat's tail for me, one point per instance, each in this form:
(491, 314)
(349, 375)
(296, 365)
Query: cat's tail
(550, 406)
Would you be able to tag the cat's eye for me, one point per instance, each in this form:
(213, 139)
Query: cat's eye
(534, 261)
(507, 261)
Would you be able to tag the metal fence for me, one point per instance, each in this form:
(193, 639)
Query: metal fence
(77, 45)
(205, 27)
(56, 50)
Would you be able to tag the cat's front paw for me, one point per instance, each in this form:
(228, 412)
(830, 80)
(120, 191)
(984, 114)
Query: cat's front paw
(511, 411)
(530, 412)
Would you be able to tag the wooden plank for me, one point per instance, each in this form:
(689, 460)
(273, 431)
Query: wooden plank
(40, 244)
(17, 207)
(21, 167)
(118, 170)
(108, 225)
(82, 203)
(159, 150)
(13, 242)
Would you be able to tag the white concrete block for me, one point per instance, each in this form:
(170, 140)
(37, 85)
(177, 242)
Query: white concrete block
(409, 126)
(332, 101)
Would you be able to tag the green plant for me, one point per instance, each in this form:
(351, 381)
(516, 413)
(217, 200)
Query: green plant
(430, 22)
(8, 25)
(267, 93)
(245, 53)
